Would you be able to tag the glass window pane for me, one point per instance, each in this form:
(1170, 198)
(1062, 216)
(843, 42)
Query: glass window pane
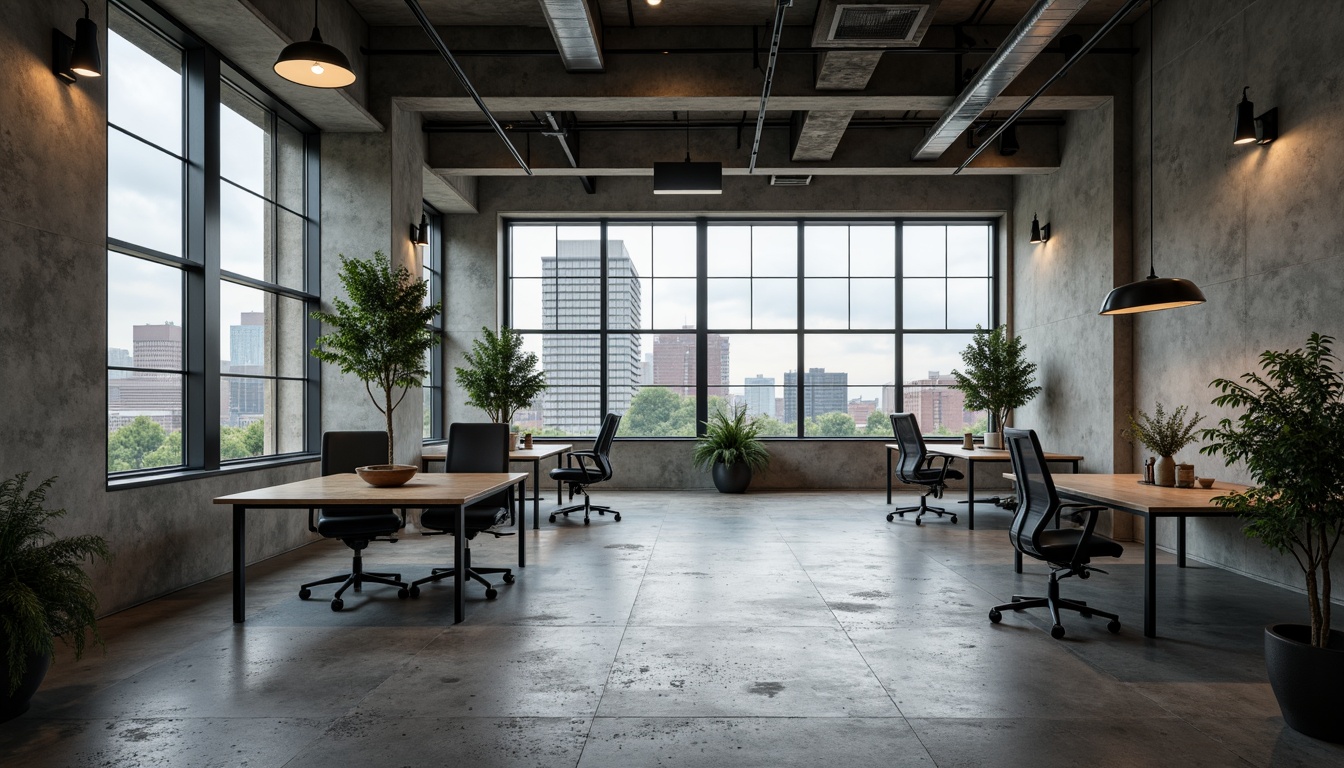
(674, 303)
(625, 369)
(144, 82)
(729, 251)
(572, 402)
(243, 406)
(289, 261)
(656, 411)
(774, 251)
(242, 232)
(774, 303)
(244, 142)
(625, 294)
(843, 360)
(144, 194)
(674, 251)
(729, 303)
(872, 303)
(525, 305)
(288, 416)
(924, 250)
(246, 330)
(290, 170)
(757, 364)
(968, 250)
(925, 303)
(968, 303)
(825, 251)
(929, 361)
(144, 313)
(872, 251)
(144, 421)
(572, 296)
(637, 242)
(528, 246)
(826, 303)
(291, 347)
(426, 410)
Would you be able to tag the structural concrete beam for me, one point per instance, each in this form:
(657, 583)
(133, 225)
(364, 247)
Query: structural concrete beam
(816, 134)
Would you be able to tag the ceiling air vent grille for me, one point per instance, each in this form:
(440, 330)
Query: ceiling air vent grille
(876, 22)
(778, 180)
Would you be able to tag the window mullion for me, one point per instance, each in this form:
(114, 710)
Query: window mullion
(200, 431)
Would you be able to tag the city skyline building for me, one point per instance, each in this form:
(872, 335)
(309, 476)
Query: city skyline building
(120, 357)
(760, 395)
(674, 362)
(937, 406)
(823, 392)
(153, 394)
(859, 410)
(247, 355)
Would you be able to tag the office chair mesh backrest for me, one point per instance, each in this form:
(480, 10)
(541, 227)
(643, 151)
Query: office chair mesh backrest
(602, 445)
(479, 448)
(912, 444)
(1036, 497)
(342, 451)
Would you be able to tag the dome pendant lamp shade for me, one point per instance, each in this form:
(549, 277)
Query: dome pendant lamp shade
(314, 63)
(85, 60)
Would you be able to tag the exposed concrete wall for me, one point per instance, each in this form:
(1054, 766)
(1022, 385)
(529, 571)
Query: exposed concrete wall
(53, 330)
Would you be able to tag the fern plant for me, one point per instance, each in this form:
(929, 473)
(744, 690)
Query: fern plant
(997, 376)
(500, 377)
(1162, 434)
(731, 440)
(44, 591)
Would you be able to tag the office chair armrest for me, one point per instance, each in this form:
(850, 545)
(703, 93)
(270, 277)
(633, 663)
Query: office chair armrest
(583, 465)
(1088, 526)
(947, 462)
(311, 526)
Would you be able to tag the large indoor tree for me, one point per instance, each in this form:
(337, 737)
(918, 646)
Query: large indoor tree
(499, 377)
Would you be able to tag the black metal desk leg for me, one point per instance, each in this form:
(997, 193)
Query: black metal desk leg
(536, 492)
(522, 515)
(239, 563)
(459, 571)
(888, 475)
(1150, 575)
(1180, 541)
(970, 495)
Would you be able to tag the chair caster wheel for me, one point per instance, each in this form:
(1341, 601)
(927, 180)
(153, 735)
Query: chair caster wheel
(890, 517)
(954, 519)
(1057, 632)
(552, 518)
(305, 593)
(1085, 575)
(616, 516)
(994, 616)
(509, 578)
(1113, 627)
(414, 591)
(337, 604)
(491, 593)
(1085, 614)
(586, 521)
(918, 521)
(403, 593)
(601, 512)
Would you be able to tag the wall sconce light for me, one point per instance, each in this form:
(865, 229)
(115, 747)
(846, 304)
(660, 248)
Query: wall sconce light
(71, 59)
(1008, 145)
(420, 234)
(314, 63)
(1039, 233)
(1250, 129)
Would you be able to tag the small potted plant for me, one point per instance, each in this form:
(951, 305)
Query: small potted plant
(731, 449)
(44, 591)
(381, 337)
(499, 377)
(997, 378)
(1290, 438)
(1163, 435)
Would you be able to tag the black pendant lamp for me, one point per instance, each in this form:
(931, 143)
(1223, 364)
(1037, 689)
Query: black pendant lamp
(314, 63)
(84, 57)
(1153, 292)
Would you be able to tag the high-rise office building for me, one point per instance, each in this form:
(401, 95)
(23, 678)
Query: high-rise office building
(117, 356)
(937, 406)
(157, 396)
(760, 392)
(247, 355)
(823, 392)
(674, 362)
(860, 410)
(572, 300)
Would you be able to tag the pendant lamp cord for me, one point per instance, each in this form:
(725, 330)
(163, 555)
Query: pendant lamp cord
(1152, 125)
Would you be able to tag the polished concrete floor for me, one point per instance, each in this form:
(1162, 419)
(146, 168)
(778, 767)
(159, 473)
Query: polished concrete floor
(702, 630)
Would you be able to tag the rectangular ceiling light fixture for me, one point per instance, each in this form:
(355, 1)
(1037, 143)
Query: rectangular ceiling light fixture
(688, 178)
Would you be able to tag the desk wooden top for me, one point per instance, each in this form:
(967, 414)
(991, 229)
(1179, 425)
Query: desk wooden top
(536, 453)
(423, 490)
(1125, 492)
(983, 454)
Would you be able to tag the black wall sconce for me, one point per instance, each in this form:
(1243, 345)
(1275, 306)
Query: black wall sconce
(1039, 232)
(1249, 129)
(77, 57)
(420, 234)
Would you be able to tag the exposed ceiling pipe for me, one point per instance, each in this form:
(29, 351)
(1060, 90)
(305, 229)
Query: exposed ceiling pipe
(447, 55)
(769, 80)
(1027, 41)
(1101, 32)
(705, 125)
(516, 53)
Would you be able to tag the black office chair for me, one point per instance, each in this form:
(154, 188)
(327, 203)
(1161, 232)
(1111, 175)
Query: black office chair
(355, 526)
(580, 477)
(916, 468)
(472, 448)
(1067, 551)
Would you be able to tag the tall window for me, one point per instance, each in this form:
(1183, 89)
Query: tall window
(432, 272)
(820, 329)
(211, 239)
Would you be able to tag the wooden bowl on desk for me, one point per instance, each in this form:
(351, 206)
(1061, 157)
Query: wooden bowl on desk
(386, 475)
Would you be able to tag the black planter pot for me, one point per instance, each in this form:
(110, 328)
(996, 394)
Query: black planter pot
(731, 478)
(1307, 681)
(15, 705)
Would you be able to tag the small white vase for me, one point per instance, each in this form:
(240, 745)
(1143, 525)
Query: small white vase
(1164, 473)
(994, 441)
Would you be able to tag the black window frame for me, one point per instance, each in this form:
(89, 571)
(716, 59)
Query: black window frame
(434, 260)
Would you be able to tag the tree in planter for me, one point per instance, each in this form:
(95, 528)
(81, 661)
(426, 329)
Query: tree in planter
(997, 378)
(380, 335)
(500, 377)
(1290, 436)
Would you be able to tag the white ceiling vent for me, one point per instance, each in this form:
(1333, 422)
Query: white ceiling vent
(871, 24)
(778, 180)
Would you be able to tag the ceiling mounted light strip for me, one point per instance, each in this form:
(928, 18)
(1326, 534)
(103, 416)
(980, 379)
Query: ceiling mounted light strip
(769, 79)
(447, 55)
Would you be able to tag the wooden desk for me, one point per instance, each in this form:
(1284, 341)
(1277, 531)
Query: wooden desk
(444, 489)
(1125, 493)
(973, 457)
(526, 455)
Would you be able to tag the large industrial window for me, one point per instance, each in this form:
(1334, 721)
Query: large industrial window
(212, 243)
(431, 267)
(818, 328)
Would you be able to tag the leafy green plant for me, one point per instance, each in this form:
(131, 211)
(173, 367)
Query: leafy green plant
(730, 440)
(500, 377)
(1290, 436)
(997, 378)
(44, 593)
(1162, 434)
(380, 335)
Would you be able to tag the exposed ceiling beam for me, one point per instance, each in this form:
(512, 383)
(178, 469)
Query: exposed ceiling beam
(839, 101)
(563, 127)
(817, 133)
(577, 34)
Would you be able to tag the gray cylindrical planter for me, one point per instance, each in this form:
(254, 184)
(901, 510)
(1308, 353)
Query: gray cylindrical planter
(731, 478)
(1308, 682)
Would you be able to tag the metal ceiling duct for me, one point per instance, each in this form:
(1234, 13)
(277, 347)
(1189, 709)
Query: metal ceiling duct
(1027, 40)
(577, 34)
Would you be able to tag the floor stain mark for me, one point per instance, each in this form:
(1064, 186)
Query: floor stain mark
(770, 689)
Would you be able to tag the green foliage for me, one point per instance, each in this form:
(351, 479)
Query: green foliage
(997, 377)
(1290, 436)
(500, 377)
(833, 424)
(659, 412)
(879, 425)
(44, 593)
(242, 442)
(730, 439)
(169, 452)
(1163, 434)
(769, 426)
(380, 335)
(133, 445)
